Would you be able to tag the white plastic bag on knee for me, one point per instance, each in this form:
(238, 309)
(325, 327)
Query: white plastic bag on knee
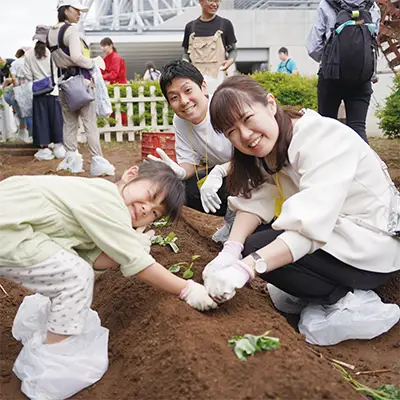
(285, 302)
(358, 315)
(31, 317)
(58, 371)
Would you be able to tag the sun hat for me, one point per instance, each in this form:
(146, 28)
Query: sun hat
(72, 3)
(41, 33)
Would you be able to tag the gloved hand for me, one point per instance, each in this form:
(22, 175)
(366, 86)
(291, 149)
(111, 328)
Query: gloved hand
(208, 192)
(178, 170)
(222, 285)
(231, 252)
(145, 237)
(196, 296)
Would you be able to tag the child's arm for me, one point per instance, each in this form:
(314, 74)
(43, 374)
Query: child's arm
(104, 262)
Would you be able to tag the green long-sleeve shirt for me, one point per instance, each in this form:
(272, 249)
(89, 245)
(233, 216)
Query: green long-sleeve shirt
(39, 215)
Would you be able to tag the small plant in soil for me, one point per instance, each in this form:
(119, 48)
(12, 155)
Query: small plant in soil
(187, 273)
(170, 240)
(248, 345)
(384, 392)
(162, 222)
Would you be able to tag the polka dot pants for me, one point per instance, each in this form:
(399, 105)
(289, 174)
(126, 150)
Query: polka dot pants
(67, 280)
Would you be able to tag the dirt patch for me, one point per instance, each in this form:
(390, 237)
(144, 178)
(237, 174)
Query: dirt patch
(162, 349)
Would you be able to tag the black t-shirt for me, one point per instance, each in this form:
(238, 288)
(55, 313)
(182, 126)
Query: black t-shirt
(5, 71)
(202, 28)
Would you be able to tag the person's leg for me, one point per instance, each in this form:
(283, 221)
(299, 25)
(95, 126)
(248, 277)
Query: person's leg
(356, 100)
(70, 127)
(193, 199)
(329, 98)
(89, 121)
(67, 280)
(318, 278)
(55, 119)
(42, 125)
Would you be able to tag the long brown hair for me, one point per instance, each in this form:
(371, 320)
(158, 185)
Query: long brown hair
(40, 50)
(227, 106)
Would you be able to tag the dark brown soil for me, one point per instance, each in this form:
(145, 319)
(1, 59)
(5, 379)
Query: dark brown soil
(160, 348)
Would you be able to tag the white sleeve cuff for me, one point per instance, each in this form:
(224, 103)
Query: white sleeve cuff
(298, 244)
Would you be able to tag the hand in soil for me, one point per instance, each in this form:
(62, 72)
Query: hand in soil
(196, 296)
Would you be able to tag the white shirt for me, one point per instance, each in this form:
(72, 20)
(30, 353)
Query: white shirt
(333, 178)
(191, 142)
(17, 67)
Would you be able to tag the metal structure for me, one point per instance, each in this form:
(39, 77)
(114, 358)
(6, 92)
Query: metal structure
(142, 15)
(389, 36)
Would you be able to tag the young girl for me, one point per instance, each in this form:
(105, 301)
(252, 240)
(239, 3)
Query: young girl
(53, 229)
(322, 185)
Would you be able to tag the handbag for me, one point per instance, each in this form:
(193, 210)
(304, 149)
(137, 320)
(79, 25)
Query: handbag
(76, 93)
(45, 85)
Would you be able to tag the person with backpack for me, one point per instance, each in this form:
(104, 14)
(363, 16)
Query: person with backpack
(287, 65)
(72, 58)
(343, 41)
(115, 71)
(152, 73)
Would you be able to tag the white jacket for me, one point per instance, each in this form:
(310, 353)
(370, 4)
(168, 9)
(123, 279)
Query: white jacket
(333, 178)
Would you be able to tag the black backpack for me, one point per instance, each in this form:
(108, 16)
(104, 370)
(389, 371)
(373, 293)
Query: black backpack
(351, 51)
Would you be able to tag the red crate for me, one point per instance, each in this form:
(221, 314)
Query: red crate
(163, 140)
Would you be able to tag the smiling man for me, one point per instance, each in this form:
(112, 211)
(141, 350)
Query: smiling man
(197, 145)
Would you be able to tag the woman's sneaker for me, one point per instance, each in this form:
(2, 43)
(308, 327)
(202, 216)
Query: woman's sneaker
(59, 151)
(73, 162)
(100, 166)
(44, 155)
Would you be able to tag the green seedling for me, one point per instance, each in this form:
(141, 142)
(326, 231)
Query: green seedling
(162, 222)
(248, 345)
(384, 392)
(170, 240)
(187, 273)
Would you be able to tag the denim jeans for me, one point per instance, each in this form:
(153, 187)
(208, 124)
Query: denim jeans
(10, 100)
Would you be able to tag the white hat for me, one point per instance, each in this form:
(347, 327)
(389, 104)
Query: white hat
(72, 3)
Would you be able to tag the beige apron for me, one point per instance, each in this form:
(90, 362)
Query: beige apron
(207, 53)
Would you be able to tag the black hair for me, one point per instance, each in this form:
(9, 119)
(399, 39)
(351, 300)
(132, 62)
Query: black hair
(61, 14)
(150, 65)
(19, 53)
(283, 50)
(168, 183)
(40, 50)
(179, 69)
(108, 42)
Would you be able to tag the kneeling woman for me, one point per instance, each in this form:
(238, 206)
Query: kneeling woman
(326, 191)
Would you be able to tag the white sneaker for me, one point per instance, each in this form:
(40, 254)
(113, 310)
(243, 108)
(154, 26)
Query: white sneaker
(23, 135)
(222, 234)
(59, 150)
(73, 162)
(44, 155)
(100, 166)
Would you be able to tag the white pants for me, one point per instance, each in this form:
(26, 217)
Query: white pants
(67, 280)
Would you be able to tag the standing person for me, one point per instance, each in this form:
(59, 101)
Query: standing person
(287, 65)
(47, 112)
(196, 142)
(70, 54)
(209, 43)
(5, 66)
(115, 71)
(151, 73)
(345, 45)
(326, 191)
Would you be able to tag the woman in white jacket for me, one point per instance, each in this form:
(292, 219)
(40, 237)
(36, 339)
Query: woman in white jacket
(313, 201)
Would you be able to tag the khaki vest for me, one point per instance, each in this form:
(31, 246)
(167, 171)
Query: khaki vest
(207, 53)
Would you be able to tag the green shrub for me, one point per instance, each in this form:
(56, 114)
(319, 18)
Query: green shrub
(290, 90)
(389, 114)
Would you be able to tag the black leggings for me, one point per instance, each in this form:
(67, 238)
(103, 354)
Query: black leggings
(319, 278)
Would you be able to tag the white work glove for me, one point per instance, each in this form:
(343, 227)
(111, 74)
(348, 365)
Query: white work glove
(145, 237)
(231, 252)
(222, 285)
(178, 170)
(196, 296)
(208, 191)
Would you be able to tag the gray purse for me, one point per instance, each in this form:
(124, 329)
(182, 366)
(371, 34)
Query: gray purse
(76, 93)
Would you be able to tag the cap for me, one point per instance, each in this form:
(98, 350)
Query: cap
(41, 33)
(72, 3)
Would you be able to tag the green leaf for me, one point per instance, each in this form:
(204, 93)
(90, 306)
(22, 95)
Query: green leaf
(157, 239)
(196, 257)
(187, 274)
(170, 237)
(174, 268)
(162, 222)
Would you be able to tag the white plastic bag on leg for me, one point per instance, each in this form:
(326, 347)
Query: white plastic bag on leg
(358, 315)
(31, 317)
(58, 371)
(285, 302)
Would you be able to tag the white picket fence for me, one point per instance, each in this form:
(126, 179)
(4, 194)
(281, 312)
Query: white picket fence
(130, 132)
